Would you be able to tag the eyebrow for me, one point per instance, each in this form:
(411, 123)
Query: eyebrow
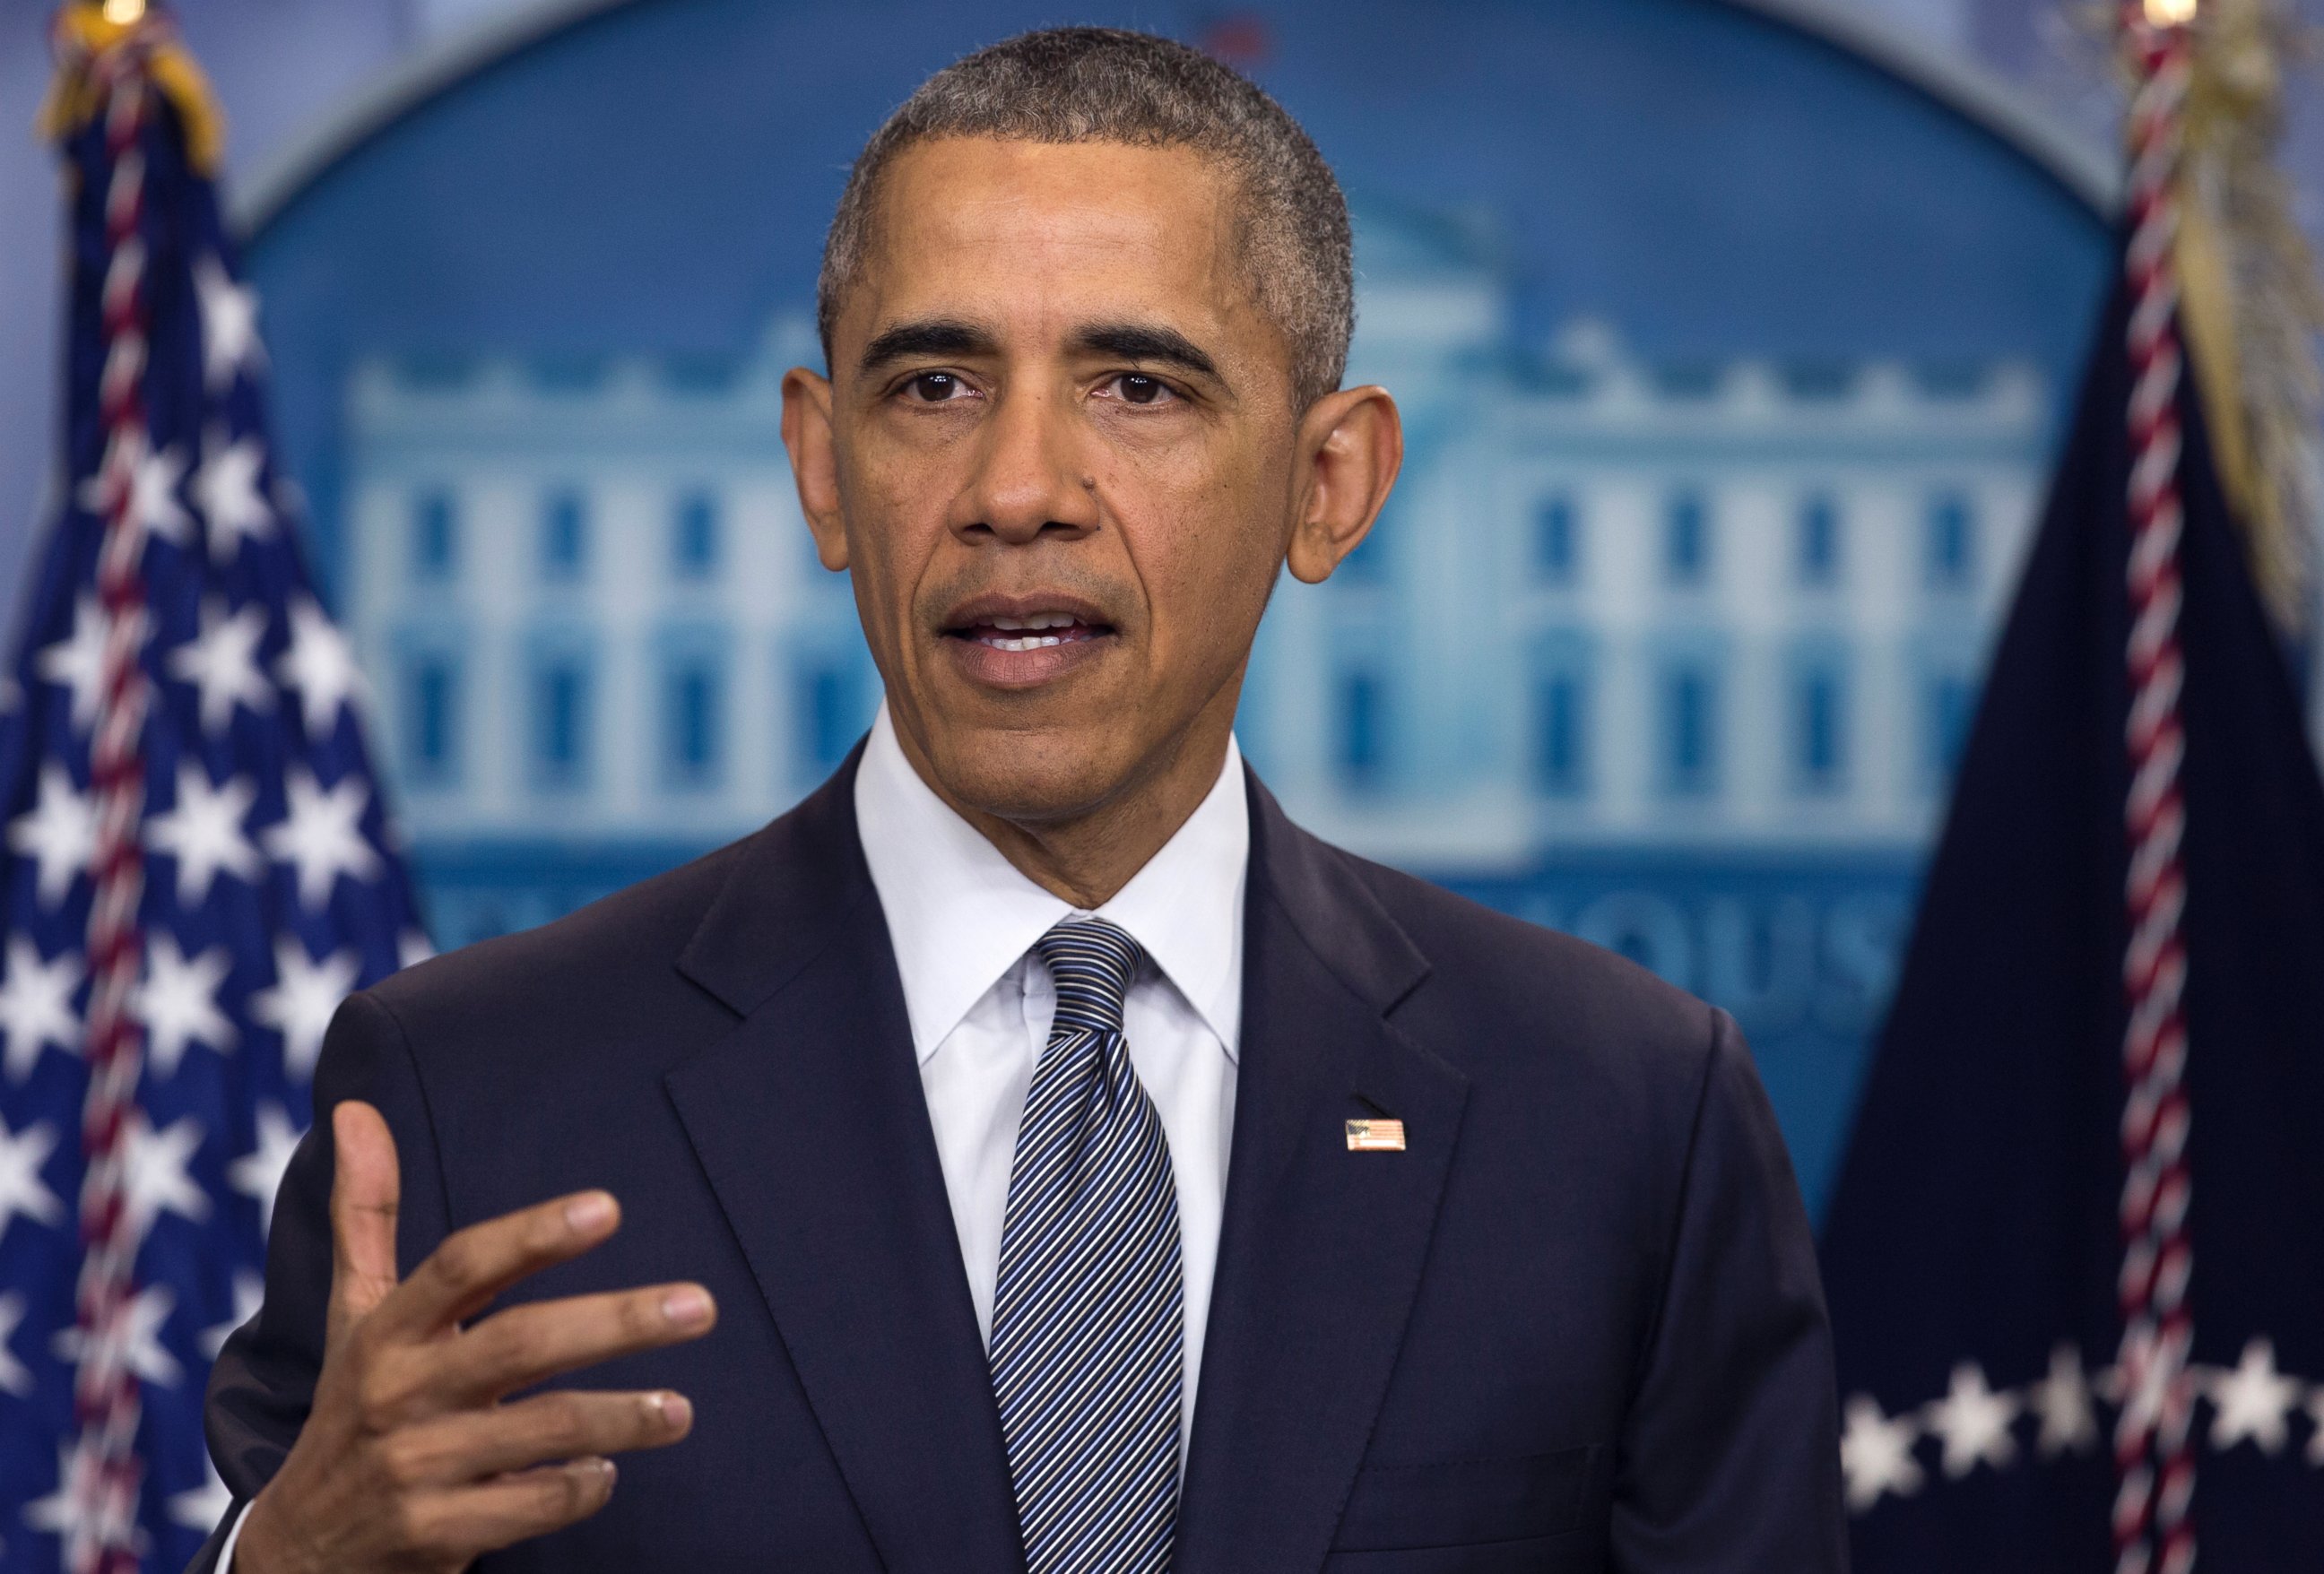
(1144, 342)
(932, 336)
(951, 336)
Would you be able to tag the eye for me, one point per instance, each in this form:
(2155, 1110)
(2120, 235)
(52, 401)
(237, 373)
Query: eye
(934, 388)
(1138, 388)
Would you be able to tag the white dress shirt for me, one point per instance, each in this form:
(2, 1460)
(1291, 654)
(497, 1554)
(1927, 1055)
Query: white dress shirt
(963, 921)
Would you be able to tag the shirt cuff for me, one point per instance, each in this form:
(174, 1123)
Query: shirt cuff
(225, 1553)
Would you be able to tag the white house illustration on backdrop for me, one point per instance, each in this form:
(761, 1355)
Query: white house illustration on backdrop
(1615, 602)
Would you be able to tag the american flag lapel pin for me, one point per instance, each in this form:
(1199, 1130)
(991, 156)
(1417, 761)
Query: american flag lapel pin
(1375, 1137)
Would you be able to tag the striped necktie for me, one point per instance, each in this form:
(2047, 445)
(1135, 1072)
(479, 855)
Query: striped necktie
(1087, 1312)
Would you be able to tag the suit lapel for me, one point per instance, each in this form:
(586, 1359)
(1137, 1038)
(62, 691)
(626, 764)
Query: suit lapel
(1320, 1250)
(811, 1125)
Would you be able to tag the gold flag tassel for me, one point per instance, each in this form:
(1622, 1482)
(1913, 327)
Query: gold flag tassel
(2250, 301)
(88, 35)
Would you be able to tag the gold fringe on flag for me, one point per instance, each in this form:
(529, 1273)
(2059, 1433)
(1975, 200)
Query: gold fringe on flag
(86, 32)
(2250, 299)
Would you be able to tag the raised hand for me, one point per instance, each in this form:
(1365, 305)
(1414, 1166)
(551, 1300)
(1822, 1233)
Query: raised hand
(410, 1460)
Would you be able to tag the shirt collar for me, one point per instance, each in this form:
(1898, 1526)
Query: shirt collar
(960, 915)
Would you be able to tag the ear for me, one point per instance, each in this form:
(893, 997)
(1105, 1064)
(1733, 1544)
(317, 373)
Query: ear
(815, 462)
(1351, 446)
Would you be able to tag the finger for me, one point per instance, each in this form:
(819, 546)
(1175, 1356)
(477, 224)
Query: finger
(527, 1344)
(462, 1275)
(465, 1521)
(366, 1189)
(457, 1451)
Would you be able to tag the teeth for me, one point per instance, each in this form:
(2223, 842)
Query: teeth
(1037, 620)
(1031, 642)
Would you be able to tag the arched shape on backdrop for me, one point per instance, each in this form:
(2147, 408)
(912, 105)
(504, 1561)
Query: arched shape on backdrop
(2085, 171)
(1737, 273)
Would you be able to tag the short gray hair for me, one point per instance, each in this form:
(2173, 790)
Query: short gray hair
(1104, 85)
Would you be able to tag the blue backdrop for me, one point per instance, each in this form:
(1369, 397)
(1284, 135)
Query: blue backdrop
(1732, 362)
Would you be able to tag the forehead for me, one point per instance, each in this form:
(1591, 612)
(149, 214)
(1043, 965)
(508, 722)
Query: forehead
(1036, 236)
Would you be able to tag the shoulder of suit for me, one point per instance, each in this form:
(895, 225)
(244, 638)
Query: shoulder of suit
(1541, 986)
(606, 948)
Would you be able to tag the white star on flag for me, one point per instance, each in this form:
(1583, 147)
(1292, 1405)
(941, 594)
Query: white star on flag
(225, 489)
(36, 1005)
(203, 831)
(152, 481)
(201, 1507)
(303, 997)
(155, 1180)
(321, 833)
(15, 1378)
(58, 835)
(77, 661)
(63, 1511)
(178, 1002)
(1973, 1422)
(319, 667)
(2253, 1401)
(249, 1294)
(230, 341)
(139, 1337)
(222, 663)
(2063, 1401)
(22, 1190)
(412, 948)
(1876, 1454)
(258, 1173)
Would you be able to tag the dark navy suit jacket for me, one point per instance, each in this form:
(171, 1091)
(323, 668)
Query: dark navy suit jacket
(1575, 1326)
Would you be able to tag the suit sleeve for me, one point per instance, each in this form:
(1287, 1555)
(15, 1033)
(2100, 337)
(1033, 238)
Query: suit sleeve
(1730, 1454)
(264, 1381)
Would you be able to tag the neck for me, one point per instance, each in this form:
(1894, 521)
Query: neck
(1085, 859)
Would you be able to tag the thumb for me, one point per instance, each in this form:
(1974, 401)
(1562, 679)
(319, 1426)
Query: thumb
(365, 1188)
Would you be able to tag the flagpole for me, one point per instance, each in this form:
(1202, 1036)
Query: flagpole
(104, 1475)
(2154, 1529)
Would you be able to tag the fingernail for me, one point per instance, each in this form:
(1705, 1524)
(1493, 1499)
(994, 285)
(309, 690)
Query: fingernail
(601, 1469)
(676, 1411)
(687, 1307)
(593, 1211)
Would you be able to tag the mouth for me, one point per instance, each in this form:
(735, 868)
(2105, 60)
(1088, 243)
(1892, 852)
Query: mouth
(1021, 641)
(1037, 633)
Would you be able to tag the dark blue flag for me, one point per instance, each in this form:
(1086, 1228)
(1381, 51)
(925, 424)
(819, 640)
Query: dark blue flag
(264, 880)
(1985, 1251)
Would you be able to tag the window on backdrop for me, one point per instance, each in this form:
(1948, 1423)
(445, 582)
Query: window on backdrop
(696, 535)
(1562, 731)
(564, 535)
(1686, 540)
(435, 535)
(1690, 728)
(1556, 542)
(694, 719)
(562, 723)
(1362, 744)
(431, 719)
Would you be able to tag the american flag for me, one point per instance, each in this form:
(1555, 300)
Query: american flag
(196, 867)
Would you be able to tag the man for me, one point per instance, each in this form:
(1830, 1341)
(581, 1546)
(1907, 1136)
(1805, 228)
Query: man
(1034, 1151)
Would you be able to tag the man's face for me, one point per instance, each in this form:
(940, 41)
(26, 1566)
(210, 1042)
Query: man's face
(1060, 466)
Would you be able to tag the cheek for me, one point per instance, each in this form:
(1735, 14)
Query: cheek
(1213, 569)
(894, 523)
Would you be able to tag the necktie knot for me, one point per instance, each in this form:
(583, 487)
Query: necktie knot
(1092, 962)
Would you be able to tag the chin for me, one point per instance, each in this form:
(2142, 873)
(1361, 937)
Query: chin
(1032, 777)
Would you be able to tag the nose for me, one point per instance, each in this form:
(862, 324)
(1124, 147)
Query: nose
(1028, 479)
